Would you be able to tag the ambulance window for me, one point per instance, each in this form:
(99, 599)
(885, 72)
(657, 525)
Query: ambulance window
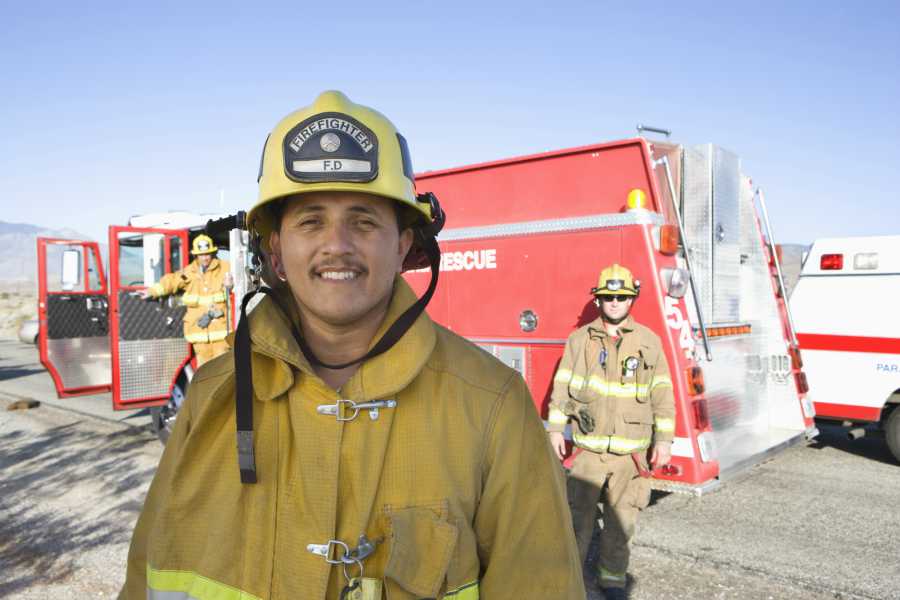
(131, 260)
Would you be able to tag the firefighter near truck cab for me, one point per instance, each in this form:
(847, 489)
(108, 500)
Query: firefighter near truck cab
(204, 284)
(99, 335)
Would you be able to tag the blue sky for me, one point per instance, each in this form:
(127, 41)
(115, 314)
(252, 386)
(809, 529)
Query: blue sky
(113, 109)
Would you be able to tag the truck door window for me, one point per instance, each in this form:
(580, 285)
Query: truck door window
(131, 260)
(93, 272)
(174, 254)
(64, 260)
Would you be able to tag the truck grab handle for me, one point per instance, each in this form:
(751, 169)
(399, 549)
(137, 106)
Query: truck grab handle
(687, 258)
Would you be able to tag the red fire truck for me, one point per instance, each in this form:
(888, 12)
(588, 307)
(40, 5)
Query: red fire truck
(525, 241)
(97, 335)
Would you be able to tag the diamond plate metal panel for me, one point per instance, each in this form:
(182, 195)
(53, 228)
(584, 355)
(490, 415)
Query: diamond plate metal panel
(726, 176)
(752, 400)
(696, 209)
(81, 362)
(146, 367)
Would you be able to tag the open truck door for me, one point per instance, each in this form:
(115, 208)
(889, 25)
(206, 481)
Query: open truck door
(73, 312)
(149, 352)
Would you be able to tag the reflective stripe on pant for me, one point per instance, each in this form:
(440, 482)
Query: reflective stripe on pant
(207, 352)
(625, 495)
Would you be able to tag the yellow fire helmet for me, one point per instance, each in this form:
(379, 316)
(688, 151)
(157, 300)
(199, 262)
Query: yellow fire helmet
(203, 244)
(616, 280)
(333, 145)
(337, 145)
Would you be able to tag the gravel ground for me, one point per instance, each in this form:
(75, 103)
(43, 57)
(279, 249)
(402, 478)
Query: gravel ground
(817, 521)
(71, 489)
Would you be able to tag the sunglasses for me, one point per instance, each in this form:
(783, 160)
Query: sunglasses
(620, 298)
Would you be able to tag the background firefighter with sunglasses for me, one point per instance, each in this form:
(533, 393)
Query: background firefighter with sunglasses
(348, 446)
(613, 384)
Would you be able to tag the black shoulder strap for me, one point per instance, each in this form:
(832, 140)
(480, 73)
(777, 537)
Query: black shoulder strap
(243, 376)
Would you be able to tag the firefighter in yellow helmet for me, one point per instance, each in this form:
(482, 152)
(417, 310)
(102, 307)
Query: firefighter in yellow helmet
(205, 284)
(378, 454)
(613, 385)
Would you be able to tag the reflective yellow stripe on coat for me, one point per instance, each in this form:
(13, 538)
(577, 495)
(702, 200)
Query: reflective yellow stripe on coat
(664, 425)
(464, 592)
(557, 417)
(563, 376)
(610, 443)
(615, 389)
(201, 300)
(187, 585)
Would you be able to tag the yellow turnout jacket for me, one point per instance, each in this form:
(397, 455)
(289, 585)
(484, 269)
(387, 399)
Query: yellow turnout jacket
(622, 385)
(456, 484)
(202, 291)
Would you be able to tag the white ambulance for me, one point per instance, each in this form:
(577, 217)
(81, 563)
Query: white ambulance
(846, 315)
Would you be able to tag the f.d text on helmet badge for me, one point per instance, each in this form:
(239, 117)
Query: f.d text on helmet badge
(330, 147)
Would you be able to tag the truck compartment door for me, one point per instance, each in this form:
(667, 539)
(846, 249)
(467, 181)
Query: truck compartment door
(148, 345)
(73, 313)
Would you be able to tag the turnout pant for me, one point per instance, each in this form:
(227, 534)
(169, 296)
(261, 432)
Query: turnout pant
(626, 494)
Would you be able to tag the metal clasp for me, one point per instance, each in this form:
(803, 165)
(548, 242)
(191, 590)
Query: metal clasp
(342, 408)
(327, 551)
(348, 557)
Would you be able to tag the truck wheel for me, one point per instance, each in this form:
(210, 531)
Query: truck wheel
(892, 432)
(163, 417)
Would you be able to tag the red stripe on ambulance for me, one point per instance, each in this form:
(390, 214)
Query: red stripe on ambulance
(848, 343)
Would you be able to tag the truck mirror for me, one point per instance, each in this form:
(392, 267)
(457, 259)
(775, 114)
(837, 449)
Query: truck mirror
(71, 269)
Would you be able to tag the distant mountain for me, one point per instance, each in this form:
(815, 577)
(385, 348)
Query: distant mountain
(18, 248)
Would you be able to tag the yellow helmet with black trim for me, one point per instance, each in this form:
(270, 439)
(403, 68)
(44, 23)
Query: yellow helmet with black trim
(203, 244)
(616, 280)
(334, 145)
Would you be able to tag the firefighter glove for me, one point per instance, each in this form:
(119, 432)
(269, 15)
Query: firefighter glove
(204, 320)
(585, 421)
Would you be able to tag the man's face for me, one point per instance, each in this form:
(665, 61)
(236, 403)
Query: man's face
(340, 252)
(615, 308)
(204, 259)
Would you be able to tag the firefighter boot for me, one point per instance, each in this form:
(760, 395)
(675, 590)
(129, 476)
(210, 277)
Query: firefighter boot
(615, 593)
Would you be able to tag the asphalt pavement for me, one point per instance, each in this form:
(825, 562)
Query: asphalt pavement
(816, 521)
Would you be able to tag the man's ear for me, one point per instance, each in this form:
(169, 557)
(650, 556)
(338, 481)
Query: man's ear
(404, 244)
(275, 254)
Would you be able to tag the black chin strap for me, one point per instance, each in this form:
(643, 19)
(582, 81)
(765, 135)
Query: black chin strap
(243, 368)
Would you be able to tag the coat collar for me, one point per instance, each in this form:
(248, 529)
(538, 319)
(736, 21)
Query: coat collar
(598, 329)
(277, 358)
(213, 265)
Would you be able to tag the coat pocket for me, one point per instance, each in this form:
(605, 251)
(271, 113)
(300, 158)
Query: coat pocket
(422, 544)
(636, 424)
